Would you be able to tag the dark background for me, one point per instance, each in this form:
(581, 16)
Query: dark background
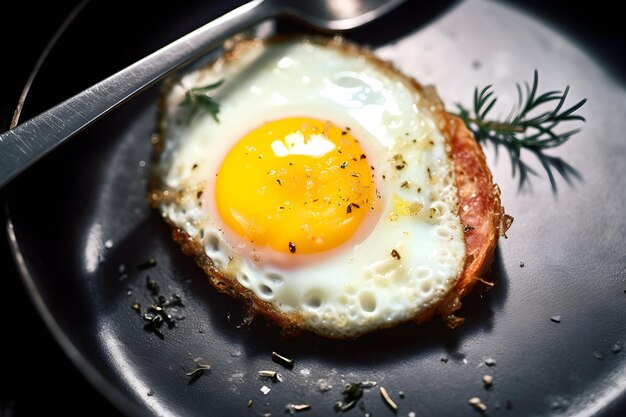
(36, 376)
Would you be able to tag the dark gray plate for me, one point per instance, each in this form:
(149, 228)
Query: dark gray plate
(89, 216)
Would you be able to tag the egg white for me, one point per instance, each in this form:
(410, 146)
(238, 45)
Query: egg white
(414, 251)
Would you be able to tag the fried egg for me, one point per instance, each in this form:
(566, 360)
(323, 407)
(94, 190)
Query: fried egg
(324, 193)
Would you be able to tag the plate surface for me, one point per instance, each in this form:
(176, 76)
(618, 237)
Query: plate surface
(80, 254)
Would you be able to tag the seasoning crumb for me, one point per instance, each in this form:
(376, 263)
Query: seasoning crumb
(387, 399)
(148, 263)
(351, 393)
(286, 362)
(323, 385)
(444, 359)
(199, 371)
(598, 355)
(521, 264)
(249, 403)
(152, 285)
(265, 390)
(292, 247)
(478, 404)
(343, 165)
(401, 394)
(617, 348)
(271, 374)
(150, 393)
(294, 408)
(395, 254)
(490, 362)
(556, 319)
(487, 380)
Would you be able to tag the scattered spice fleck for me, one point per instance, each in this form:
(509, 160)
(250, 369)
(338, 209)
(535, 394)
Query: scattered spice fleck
(395, 254)
(444, 359)
(405, 184)
(598, 355)
(279, 182)
(487, 380)
(152, 285)
(387, 399)
(467, 228)
(292, 247)
(349, 207)
(521, 264)
(343, 165)
(363, 156)
(265, 390)
(399, 161)
(249, 403)
(401, 394)
(295, 408)
(617, 348)
(150, 393)
(555, 319)
(148, 263)
(286, 362)
(478, 404)
(136, 306)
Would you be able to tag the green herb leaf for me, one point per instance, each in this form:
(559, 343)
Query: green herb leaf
(351, 394)
(198, 100)
(526, 127)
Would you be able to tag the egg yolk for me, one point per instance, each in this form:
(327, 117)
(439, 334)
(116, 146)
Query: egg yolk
(297, 185)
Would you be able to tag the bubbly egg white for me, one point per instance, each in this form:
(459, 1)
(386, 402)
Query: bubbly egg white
(415, 250)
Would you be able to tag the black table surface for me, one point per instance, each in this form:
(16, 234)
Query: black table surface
(36, 376)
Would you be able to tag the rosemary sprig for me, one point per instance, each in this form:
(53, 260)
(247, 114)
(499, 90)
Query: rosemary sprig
(527, 127)
(197, 99)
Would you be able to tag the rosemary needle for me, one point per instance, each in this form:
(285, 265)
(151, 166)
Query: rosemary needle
(197, 99)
